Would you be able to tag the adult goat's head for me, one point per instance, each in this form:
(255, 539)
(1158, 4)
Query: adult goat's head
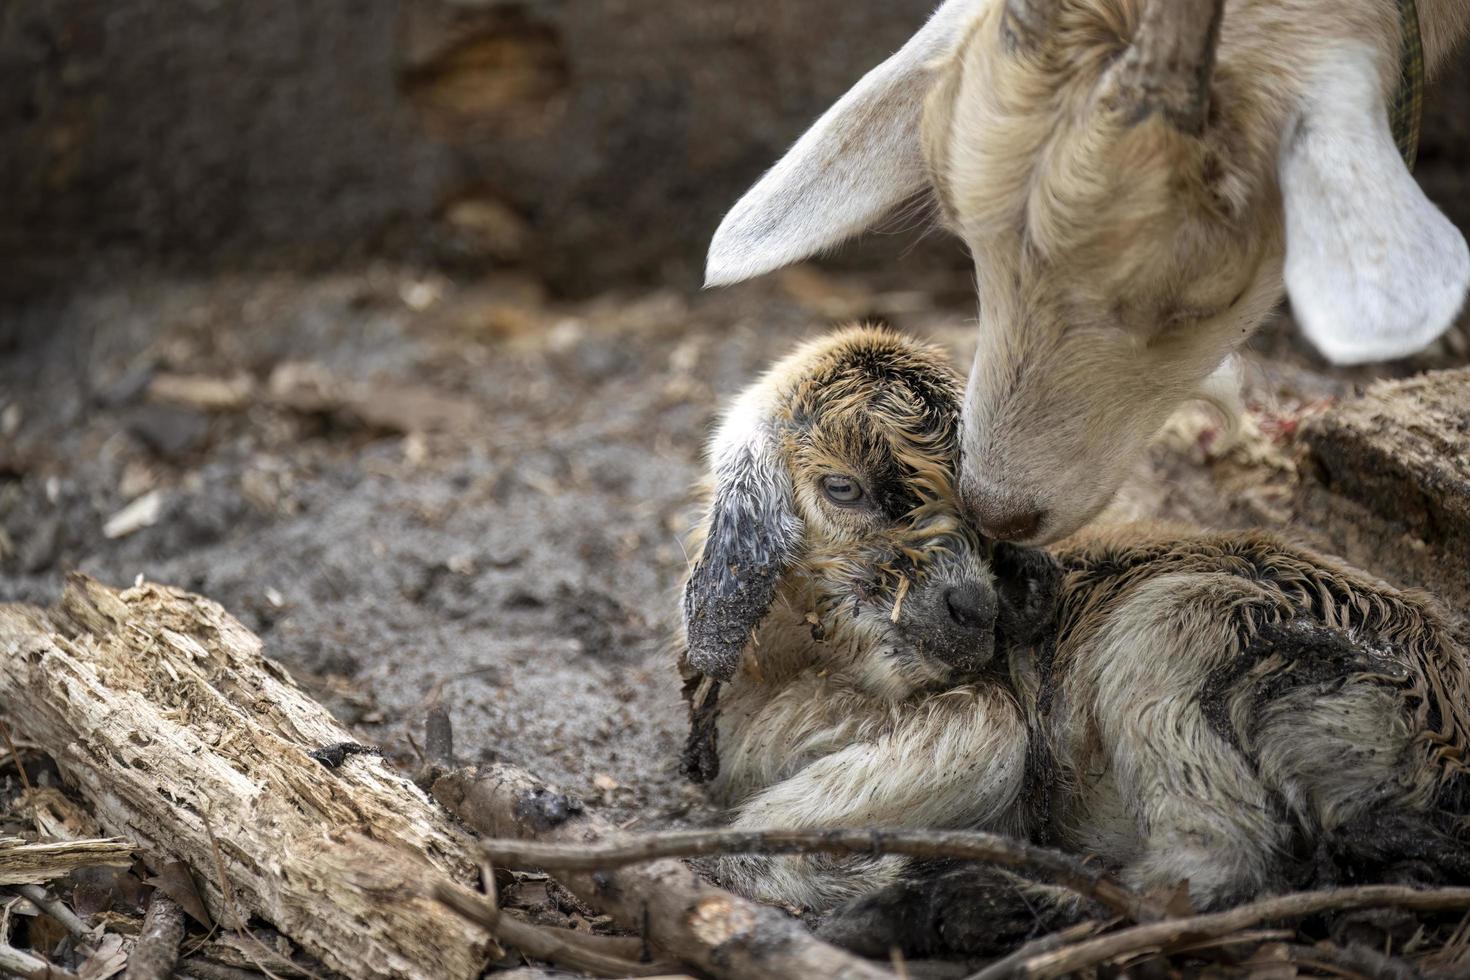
(1132, 202)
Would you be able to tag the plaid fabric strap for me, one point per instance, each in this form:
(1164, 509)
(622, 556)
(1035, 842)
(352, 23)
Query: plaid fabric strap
(1408, 102)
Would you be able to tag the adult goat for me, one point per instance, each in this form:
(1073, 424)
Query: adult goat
(1135, 180)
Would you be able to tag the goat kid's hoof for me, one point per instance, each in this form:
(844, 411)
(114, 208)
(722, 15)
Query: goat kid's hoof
(961, 912)
(898, 916)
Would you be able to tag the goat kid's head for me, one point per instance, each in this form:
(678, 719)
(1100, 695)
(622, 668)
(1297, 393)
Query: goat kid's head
(1131, 208)
(833, 494)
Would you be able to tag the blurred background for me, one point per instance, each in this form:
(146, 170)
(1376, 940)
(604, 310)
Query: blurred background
(379, 323)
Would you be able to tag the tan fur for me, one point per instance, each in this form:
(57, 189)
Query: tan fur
(1133, 216)
(1118, 263)
(1155, 726)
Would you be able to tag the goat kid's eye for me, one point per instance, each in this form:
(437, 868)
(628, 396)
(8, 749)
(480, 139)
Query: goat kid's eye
(842, 490)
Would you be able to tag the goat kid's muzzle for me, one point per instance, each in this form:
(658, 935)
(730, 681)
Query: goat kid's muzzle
(961, 613)
(952, 622)
(949, 611)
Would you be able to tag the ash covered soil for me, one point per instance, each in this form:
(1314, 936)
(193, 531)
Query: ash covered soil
(420, 490)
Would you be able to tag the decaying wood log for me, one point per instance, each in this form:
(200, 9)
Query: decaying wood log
(1403, 450)
(689, 919)
(33, 862)
(158, 706)
(1387, 484)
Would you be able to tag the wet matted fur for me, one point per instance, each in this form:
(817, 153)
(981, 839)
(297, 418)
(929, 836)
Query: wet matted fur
(1226, 709)
(838, 643)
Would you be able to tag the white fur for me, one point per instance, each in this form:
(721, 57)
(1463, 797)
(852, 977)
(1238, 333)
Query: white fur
(741, 429)
(742, 456)
(858, 161)
(1375, 271)
(820, 753)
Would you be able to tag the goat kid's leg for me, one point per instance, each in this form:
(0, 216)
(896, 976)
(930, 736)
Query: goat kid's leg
(955, 761)
(1198, 808)
(952, 910)
(1332, 728)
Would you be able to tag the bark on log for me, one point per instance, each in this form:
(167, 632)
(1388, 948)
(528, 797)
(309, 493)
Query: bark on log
(158, 706)
(691, 920)
(35, 862)
(1403, 450)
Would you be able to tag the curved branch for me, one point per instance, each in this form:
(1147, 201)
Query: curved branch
(1171, 932)
(1059, 868)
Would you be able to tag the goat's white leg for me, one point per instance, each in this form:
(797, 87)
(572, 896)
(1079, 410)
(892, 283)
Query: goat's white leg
(765, 738)
(1193, 800)
(955, 760)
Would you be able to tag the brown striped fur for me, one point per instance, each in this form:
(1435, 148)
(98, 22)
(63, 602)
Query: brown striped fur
(1223, 708)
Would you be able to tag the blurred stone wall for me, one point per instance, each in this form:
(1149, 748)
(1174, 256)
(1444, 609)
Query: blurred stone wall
(590, 140)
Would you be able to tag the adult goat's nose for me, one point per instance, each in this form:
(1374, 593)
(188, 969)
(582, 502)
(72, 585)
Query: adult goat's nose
(1012, 525)
(1002, 515)
(970, 605)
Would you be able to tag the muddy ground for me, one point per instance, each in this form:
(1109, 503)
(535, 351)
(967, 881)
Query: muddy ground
(418, 489)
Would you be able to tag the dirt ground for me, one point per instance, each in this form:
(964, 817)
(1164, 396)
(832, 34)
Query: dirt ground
(416, 489)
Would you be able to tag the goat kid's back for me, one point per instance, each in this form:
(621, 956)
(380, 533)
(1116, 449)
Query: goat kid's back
(1245, 715)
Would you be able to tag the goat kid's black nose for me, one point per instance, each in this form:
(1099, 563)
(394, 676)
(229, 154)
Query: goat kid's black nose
(970, 605)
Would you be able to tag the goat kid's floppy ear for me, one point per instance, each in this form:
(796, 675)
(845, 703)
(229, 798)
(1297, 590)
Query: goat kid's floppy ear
(1028, 585)
(1374, 270)
(856, 163)
(752, 535)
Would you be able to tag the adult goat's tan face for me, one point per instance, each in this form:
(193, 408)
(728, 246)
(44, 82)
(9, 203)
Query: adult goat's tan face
(1131, 207)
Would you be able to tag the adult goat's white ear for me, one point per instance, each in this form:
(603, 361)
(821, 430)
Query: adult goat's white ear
(856, 163)
(1374, 270)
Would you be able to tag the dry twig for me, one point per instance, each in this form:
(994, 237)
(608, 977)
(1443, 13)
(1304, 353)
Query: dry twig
(25, 781)
(1062, 869)
(603, 956)
(439, 737)
(1173, 932)
(55, 908)
(1007, 965)
(156, 952)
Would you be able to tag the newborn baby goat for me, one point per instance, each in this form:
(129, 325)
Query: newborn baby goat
(1223, 709)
